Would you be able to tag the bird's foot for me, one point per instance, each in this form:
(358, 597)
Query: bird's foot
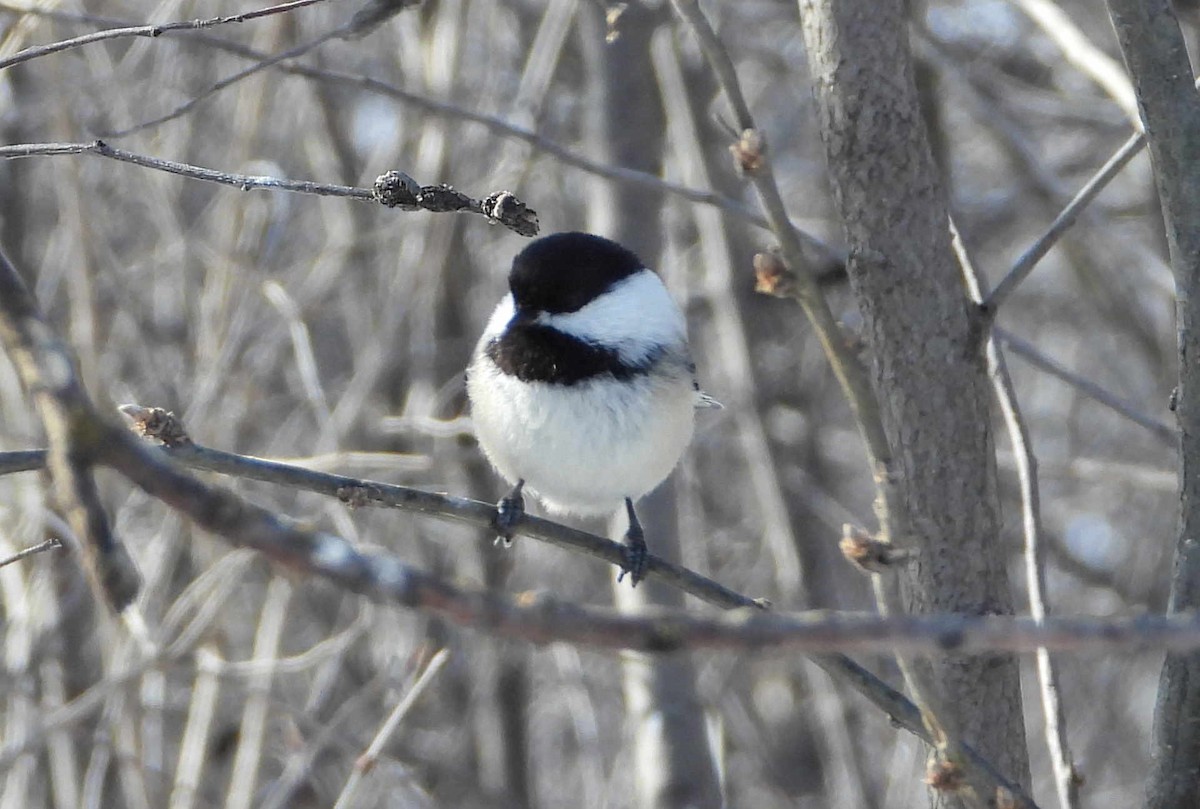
(509, 513)
(635, 557)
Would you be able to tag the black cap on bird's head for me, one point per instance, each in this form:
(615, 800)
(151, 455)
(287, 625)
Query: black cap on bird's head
(564, 272)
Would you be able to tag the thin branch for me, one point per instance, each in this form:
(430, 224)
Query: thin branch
(1066, 778)
(750, 153)
(359, 492)
(1062, 223)
(25, 460)
(1030, 353)
(374, 750)
(393, 188)
(151, 31)
(228, 81)
(367, 18)
(1037, 251)
(49, 545)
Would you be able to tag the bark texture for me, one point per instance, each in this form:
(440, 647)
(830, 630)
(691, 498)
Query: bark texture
(1154, 51)
(928, 367)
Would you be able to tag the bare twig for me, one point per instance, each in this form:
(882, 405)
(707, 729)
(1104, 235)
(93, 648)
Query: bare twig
(1031, 354)
(367, 760)
(229, 81)
(393, 188)
(49, 545)
(750, 153)
(150, 31)
(732, 359)
(368, 17)
(1062, 223)
(1066, 778)
(161, 425)
(1037, 251)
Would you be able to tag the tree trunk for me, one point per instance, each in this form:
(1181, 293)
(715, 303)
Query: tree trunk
(1157, 58)
(927, 362)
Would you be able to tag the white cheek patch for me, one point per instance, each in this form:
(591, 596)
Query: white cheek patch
(636, 316)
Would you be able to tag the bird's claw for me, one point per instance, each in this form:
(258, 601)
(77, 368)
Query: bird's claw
(509, 513)
(635, 558)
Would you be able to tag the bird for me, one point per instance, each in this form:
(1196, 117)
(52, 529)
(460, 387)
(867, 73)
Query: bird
(582, 387)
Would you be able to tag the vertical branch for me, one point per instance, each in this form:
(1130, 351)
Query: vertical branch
(1066, 780)
(1154, 51)
(802, 256)
(255, 712)
(197, 730)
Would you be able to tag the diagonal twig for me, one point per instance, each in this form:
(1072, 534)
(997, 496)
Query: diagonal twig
(359, 492)
(1029, 352)
(1062, 223)
(367, 18)
(48, 545)
(394, 189)
(229, 81)
(150, 31)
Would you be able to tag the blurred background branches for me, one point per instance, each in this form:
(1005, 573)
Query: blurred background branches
(307, 328)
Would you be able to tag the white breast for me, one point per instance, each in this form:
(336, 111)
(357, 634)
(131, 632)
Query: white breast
(582, 449)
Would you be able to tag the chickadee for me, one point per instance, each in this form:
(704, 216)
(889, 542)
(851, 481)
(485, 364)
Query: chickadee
(582, 386)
